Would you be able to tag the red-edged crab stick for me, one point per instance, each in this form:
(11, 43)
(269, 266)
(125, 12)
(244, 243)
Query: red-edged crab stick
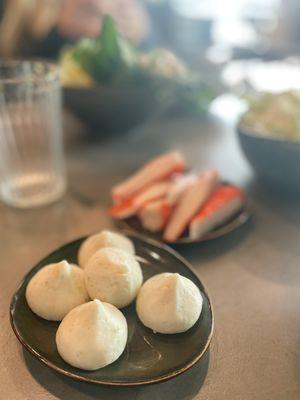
(158, 169)
(129, 207)
(190, 203)
(223, 204)
(155, 214)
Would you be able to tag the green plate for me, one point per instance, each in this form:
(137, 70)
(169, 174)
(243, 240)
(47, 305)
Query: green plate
(148, 357)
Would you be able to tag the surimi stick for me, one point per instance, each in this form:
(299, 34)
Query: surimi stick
(223, 204)
(154, 215)
(179, 187)
(192, 200)
(158, 169)
(123, 210)
(129, 207)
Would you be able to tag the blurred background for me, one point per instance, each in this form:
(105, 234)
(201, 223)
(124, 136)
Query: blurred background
(193, 29)
(124, 62)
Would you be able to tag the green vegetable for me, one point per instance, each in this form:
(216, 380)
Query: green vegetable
(102, 57)
(108, 63)
(85, 53)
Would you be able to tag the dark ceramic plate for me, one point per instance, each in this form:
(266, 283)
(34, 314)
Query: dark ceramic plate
(230, 225)
(148, 357)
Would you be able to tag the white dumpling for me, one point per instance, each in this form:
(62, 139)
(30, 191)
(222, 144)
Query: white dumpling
(100, 240)
(169, 303)
(114, 276)
(55, 289)
(92, 335)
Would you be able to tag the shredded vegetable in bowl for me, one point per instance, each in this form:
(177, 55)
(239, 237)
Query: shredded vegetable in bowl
(274, 115)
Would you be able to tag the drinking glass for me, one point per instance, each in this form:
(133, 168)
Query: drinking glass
(32, 168)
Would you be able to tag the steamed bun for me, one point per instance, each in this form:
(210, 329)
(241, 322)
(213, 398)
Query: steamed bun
(92, 335)
(169, 303)
(55, 289)
(114, 276)
(101, 240)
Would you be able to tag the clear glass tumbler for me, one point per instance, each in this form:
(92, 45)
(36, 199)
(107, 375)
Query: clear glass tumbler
(32, 168)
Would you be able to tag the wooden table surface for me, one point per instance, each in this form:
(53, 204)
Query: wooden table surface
(252, 275)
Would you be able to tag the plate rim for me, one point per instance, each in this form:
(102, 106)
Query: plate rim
(77, 377)
(242, 217)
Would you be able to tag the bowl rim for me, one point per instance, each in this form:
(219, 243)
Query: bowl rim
(247, 131)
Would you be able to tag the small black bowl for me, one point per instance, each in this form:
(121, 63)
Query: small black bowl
(276, 161)
(113, 109)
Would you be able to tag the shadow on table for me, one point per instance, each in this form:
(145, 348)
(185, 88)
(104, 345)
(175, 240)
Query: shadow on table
(283, 203)
(183, 387)
(276, 246)
(215, 248)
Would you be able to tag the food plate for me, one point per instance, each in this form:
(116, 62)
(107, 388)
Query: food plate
(148, 357)
(239, 219)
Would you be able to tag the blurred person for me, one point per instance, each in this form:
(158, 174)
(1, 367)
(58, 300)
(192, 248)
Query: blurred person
(41, 27)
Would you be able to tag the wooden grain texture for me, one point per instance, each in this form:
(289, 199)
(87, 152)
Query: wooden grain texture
(253, 275)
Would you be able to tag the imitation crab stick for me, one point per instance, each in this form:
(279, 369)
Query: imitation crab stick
(190, 203)
(129, 207)
(223, 204)
(155, 214)
(181, 184)
(158, 169)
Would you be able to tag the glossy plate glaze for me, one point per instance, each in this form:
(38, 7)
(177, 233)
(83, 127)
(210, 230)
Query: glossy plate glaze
(230, 225)
(148, 357)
